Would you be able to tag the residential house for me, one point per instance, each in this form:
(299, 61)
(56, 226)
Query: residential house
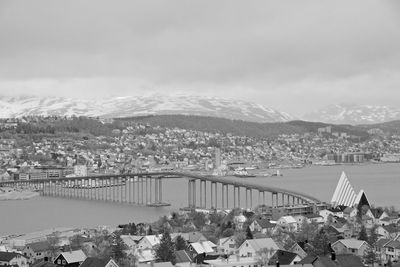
(131, 241)
(262, 225)
(206, 248)
(12, 259)
(233, 261)
(96, 262)
(70, 259)
(251, 247)
(191, 237)
(347, 260)
(146, 255)
(388, 231)
(314, 218)
(148, 242)
(288, 223)
(156, 264)
(284, 257)
(392, 250)
(37, 251)
(350, 213)
(182, 259)
(380, 248)
(227, 245)
(300, 249)
(350, 246)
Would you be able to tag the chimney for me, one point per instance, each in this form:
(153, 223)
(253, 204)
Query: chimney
(333, 256)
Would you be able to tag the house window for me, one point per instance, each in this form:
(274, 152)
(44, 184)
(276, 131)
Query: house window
(231, 246)
(391, 249)
(248, 254)
(64, 262)
(247, 244)
(59, 262)
(353, 250)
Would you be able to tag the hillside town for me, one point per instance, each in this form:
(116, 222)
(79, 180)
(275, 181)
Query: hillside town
(355, 235)
(29, 152)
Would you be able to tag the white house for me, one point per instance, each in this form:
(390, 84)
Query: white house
(392, 250)
(387, 231)
(12, 259)
(288, 223)
(227, 245)
(350, 246)
(148, 242)
(250, 247)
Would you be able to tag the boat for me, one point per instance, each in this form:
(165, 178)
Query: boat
(243, 174)
(277, 173)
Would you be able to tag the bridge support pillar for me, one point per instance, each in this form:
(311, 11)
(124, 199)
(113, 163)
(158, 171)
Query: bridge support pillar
(223, 196)
(251, 199)
(160, 190)
(264, 200)
(201, 194)
(215, 204)
(239, 197)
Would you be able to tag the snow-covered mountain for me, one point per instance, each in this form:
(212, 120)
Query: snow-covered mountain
(134, 106)
(354, 114)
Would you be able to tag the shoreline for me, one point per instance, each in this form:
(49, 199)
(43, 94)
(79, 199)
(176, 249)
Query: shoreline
(12, 194)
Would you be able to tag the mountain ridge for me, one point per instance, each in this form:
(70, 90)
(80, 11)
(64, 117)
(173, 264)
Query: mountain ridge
(354, 114)
(117, 107)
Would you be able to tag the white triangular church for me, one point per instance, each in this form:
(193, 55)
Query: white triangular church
(345, 195)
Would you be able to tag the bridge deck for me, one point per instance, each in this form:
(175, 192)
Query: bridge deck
(164, 175)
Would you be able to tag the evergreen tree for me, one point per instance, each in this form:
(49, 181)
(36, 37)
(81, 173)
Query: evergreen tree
(165, 251)
(150, 231)
(370, 256)
(180, 243)
(249, 234)
(362, 235)
(321, 243)
(373, 237)
(118, 247)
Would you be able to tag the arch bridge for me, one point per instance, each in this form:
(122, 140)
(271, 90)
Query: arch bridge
(147, 189)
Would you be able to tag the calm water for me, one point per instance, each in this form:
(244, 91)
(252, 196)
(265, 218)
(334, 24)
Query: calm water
(380, 182)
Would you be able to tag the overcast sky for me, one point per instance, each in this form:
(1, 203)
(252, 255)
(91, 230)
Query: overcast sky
(295, 56)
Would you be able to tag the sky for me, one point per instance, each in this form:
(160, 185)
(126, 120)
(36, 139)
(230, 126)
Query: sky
(295, 56)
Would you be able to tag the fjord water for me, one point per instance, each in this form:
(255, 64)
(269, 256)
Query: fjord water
(381, 183)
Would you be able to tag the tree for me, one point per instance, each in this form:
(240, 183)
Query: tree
(373, 237)
(249, 234)
(118, 247)
(165, 251)
(264, 255)
(180, 243)
(321, 243)
(240, 237)
(362, 235)
(129, 229)
(54, 241)
(370, 256)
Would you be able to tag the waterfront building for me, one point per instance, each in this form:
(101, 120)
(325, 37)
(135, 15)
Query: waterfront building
(345, 195)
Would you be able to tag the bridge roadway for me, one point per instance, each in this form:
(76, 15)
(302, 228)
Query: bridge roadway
(145, 195)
